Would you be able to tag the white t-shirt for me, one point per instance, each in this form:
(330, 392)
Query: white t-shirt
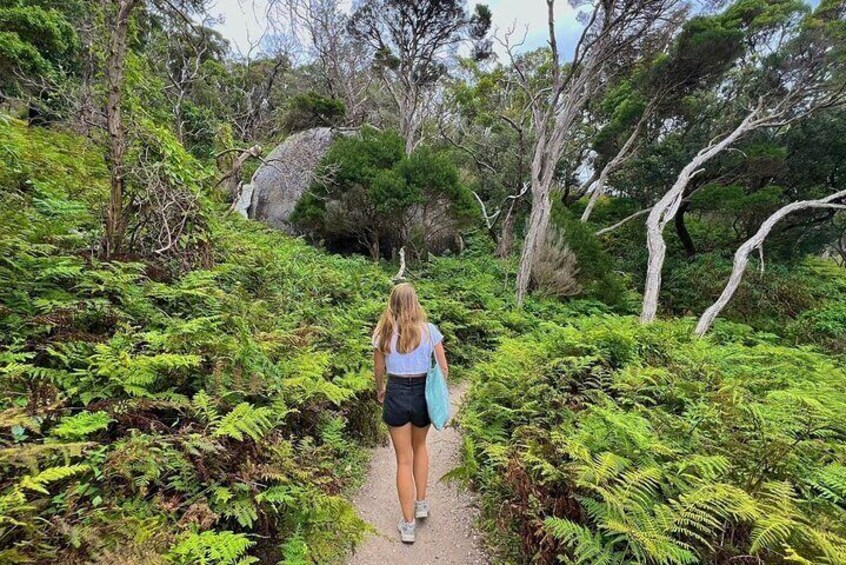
(417, 361)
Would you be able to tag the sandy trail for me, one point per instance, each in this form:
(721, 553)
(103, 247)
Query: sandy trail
(448, 536)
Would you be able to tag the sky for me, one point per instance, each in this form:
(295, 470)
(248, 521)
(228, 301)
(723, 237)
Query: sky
(243, 21)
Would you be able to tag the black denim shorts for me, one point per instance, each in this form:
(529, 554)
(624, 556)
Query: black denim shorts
(405, 401)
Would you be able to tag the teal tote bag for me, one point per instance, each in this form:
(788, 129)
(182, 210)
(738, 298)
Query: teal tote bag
(437, 395)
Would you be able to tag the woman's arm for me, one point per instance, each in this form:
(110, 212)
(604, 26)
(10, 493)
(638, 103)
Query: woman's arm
(440, 355)
(379, 373)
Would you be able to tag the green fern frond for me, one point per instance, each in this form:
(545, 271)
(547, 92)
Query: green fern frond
(245, 419)
(213, 548)
(588, 548)
(81, 425)
(830, 482)
(204, 408)
(39, 481)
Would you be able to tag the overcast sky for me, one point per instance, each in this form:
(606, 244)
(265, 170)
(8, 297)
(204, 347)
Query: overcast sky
(243, 21)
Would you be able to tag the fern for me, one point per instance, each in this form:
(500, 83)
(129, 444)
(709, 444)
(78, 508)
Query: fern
(204, 408)
(81, 425)
(830, 482)
(213, 548)
(588, 548)
(245, 419)
(39, 481)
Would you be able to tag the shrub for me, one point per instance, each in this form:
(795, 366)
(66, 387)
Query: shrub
(596, 274)
(556, 267)
(371, 197)
(311, 110)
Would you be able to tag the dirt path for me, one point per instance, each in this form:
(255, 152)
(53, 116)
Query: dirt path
(447, 537)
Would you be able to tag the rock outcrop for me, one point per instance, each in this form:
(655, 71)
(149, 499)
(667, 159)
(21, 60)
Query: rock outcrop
(286, 174)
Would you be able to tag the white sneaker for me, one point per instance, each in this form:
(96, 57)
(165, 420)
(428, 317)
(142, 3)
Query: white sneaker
(407, 531)
(421, 508)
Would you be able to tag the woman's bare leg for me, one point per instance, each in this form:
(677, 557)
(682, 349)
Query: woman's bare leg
(421, 459)
(401, 438)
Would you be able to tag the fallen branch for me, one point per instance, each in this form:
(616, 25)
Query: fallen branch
(624, 221)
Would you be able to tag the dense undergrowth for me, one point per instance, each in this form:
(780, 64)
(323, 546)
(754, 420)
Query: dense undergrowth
(605, 441)
(153, 413)
(213, 415)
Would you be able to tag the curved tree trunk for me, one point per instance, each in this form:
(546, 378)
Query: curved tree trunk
(741, 256)
(667, 207)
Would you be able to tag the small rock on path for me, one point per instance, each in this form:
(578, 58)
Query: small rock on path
(448, 536)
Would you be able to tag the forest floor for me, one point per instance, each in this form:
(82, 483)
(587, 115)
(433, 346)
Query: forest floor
(449, 536)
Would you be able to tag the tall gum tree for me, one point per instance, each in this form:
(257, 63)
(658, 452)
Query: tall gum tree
(613, 29)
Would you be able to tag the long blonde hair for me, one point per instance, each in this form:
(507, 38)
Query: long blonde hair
(403, 315)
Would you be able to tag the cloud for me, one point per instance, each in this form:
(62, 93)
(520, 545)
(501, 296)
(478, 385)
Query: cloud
(530, 17)
(244, 22)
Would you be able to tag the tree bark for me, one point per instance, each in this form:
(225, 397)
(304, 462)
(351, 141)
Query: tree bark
(115, 221)
(741, 256)
(681, 230)
(506, 236)
(538, 224)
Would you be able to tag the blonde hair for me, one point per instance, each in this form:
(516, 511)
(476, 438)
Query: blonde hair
(403, 315)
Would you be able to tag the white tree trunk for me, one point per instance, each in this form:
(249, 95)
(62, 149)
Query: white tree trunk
(614, 164)
(741, 256)
(538, 224)
(666, 208)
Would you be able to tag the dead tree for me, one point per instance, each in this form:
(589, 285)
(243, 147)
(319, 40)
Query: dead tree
(741, 256)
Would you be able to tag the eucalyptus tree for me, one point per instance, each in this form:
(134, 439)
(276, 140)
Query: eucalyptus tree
(413, 42)
(485, 118)
(770, 87)
(614, 29)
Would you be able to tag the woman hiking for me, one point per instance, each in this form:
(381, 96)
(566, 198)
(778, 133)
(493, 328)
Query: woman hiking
(403, 345)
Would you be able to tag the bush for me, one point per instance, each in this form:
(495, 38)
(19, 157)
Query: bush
(371, 197)
(596, 267)
(311, 110)
(609, 441)
(556, 267)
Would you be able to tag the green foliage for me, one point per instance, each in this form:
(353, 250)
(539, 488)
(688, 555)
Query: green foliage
(161, 408)
(596, 274)
(213, 548)
(369, 192)
(311, 110)
(143, 409)
(638, 444)
(243, 420)
(34, 42)
(81, 425)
